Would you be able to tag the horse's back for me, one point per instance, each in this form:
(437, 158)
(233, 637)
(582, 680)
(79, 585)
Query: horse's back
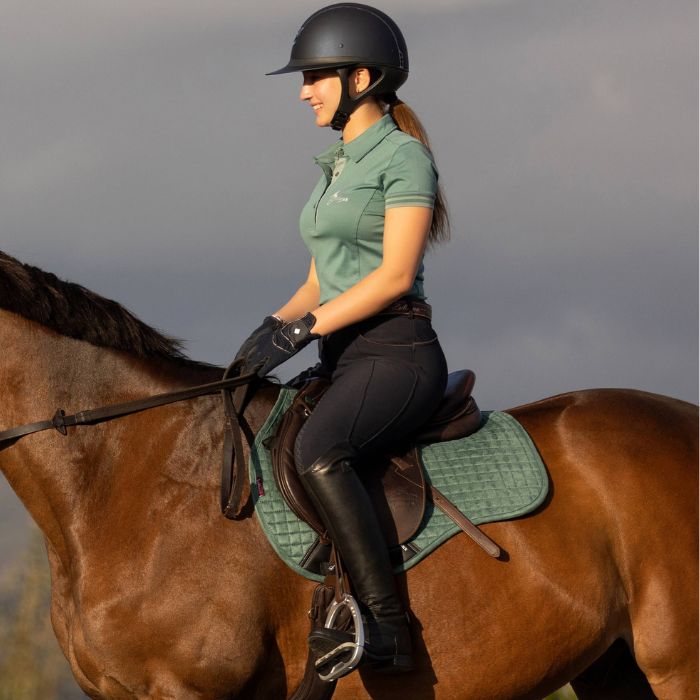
(627, 462)
(633, 447)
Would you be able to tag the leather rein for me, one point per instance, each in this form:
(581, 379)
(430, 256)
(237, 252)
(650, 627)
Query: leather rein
(233, 469)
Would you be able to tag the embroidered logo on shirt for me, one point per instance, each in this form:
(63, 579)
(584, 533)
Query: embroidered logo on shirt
(335, 198)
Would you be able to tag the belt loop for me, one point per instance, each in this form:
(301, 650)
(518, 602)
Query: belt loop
(410, 308)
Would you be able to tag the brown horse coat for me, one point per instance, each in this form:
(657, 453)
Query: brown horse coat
(156, 595)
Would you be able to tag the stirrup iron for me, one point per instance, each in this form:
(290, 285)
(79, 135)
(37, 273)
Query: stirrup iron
(339, 668)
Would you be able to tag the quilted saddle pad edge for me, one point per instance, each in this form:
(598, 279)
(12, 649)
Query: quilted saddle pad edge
(255, 470)
(431, 511)
(527, 444)
(433, 515)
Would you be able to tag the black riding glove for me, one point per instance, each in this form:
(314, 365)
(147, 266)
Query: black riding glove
(268, 327)
(272, 349)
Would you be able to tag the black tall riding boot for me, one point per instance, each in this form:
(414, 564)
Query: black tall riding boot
(347, 512)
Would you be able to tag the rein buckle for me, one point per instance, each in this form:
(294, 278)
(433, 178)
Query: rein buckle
(59, 423)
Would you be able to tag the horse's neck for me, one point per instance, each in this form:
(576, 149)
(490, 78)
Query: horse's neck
(40, 371)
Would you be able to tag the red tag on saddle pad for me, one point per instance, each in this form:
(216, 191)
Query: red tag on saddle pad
(261, 490)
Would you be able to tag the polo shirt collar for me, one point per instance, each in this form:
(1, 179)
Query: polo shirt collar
(360, 146)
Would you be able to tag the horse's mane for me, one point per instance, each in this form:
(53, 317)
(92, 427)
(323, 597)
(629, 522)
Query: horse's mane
(76, 312)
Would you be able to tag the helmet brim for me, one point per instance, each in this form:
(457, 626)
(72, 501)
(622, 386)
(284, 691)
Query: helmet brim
(296, 65)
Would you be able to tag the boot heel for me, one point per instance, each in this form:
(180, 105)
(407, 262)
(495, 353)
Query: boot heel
(397, 664)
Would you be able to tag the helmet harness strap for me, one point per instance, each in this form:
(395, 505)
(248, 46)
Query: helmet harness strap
(347, 104)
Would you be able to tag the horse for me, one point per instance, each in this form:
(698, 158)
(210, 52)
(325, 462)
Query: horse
(155, 595)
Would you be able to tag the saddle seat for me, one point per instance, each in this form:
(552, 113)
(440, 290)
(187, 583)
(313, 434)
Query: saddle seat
(393, 478)
(456, 416)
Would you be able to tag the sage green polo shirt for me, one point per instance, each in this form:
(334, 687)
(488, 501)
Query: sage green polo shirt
(343, 222)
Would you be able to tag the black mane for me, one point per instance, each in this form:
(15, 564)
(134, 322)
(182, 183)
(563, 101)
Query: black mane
(76, 312)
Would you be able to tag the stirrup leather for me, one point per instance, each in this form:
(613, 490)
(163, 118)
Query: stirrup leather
(330, 667)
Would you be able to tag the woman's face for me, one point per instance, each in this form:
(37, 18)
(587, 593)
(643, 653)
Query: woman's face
(322, 89)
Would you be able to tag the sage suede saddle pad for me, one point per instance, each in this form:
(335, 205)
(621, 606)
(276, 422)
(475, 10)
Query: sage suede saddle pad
(494, 474)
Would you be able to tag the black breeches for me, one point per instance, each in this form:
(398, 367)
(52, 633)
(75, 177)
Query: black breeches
(388, 375)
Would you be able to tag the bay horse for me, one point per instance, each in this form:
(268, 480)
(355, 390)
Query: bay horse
(155, 595)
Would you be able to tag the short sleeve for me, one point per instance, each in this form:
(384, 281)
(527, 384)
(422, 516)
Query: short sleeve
(411, 178)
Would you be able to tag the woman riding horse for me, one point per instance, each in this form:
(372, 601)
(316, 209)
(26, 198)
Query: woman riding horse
(366, 225)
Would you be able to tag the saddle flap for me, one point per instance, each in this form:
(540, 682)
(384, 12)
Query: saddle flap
(282, 453)
(393, 481)
(396, 487)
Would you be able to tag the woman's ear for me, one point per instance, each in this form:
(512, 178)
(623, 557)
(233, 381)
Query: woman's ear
(361, 80)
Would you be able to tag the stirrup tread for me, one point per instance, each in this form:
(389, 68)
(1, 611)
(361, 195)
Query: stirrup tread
(346, 650)
(323, 641)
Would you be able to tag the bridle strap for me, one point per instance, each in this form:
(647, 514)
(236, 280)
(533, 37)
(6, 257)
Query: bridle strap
(61, 421)
(233, 467)
(10, 437)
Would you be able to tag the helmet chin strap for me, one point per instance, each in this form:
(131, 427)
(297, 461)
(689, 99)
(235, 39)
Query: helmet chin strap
(347, 104)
